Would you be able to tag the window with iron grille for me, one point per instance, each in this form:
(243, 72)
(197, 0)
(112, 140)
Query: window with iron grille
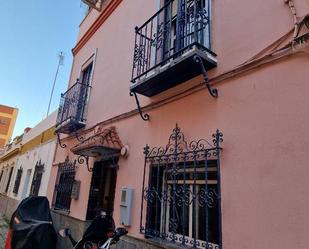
(1, 176)
(9, 180)
(64, 184)
(17, 180)
(37, 178)
(182, 197)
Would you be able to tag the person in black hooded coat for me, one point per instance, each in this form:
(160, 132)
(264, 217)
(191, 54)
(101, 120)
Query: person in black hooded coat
(31, 225)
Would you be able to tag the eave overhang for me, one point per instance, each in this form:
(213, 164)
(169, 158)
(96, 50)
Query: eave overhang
(101, 144)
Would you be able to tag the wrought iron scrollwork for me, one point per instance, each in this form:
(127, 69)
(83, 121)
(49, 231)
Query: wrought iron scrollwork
(84, 159)
(144, 116)
(169, 33)
(184, 184)
(79, 138)
(213, 91)
(64, 184)
(139, 56)
(62, 145)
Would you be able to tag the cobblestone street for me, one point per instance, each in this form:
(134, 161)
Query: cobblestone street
(3, 231)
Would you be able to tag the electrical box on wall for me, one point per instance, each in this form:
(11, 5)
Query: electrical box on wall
(75, 190)
(126, 206)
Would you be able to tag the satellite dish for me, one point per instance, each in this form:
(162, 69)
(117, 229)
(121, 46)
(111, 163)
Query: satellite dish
(96, 4)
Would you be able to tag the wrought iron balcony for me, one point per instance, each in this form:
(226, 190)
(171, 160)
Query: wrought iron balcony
(167, 45)
(71, 113)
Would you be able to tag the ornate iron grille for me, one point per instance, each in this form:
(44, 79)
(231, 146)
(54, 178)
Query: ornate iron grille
(63, 188)
(173, 30)
(1, 176)
(37, 178)
(73, 103)
(181, 202)
(17, 180)
(9, 180)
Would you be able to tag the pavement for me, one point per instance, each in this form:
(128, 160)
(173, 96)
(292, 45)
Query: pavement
(3, 231)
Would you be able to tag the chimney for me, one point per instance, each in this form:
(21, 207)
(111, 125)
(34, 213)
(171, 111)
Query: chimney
(27, 129)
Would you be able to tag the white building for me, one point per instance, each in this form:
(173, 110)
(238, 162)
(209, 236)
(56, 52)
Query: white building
(29, 162)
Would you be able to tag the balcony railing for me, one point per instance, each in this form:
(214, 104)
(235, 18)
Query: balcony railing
(71, 113)
(179, 28)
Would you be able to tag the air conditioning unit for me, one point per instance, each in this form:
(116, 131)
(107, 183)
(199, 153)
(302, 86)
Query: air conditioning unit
(96, 4)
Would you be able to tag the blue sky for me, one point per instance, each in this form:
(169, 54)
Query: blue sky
(33, 32)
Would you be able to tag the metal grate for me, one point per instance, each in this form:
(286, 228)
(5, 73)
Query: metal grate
(174, 29)
(73, 101)
(182, 197)
(17, 180)
(1, 176)
(9, 180)
(37, 178)
(63, 188)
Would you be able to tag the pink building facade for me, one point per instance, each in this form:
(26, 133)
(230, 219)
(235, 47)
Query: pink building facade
(238, 70)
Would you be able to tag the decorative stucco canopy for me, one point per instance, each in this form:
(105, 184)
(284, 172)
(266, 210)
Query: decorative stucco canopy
(104, 143)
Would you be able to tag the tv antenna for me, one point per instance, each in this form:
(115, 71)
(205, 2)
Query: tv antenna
(60, 63)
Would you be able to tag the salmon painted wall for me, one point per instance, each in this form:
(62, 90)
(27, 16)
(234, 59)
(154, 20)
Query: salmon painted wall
(263, 115)
(264, 160)
(237, 36)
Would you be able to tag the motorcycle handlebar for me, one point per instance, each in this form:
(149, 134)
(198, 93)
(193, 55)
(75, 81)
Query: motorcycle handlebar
(119, 232)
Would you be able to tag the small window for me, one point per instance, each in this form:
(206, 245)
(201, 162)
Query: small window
(1, 174)
(37, 178)
(64, 185)
(181, 198)
(9, 180)
(17, 180)
(184, 213)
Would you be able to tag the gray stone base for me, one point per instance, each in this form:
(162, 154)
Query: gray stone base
(77, 227)
(7, 206)
(130, 242)
(63, 220)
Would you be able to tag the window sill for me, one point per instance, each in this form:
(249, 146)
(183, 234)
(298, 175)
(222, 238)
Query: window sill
(152, 243)
(60, 211)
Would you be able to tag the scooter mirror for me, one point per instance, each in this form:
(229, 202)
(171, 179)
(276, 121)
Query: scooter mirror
(64, 232)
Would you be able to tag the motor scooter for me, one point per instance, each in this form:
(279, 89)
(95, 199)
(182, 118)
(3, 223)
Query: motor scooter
(100, 234)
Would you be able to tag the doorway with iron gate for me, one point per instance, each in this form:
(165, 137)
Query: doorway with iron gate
(102, 188)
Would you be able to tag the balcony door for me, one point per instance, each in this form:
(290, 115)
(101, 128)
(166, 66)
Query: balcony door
(186, 23)
(83, 93)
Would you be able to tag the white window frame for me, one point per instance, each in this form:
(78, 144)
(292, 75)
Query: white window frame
(167, 209)
(90, 59)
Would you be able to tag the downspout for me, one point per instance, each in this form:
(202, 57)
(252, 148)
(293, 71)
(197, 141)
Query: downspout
(293, 11)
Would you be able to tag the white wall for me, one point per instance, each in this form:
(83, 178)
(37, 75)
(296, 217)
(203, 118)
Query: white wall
(27, 161)
(45, 153)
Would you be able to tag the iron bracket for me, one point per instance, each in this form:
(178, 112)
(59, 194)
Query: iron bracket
(78, 138)
(84, 159)
(144, 116)
(213, 91)
(59, 141)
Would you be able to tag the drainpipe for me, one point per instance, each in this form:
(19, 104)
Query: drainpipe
(293, 11)
(301, 47)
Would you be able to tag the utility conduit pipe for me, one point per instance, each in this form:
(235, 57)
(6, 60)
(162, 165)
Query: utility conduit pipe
(293, 11)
